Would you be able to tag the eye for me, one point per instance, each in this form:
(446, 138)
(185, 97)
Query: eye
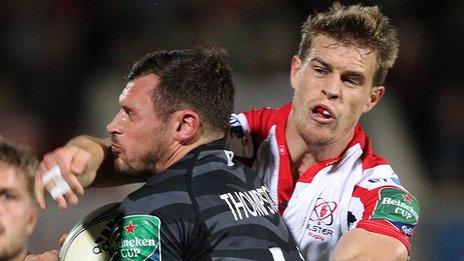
(352, 81)
(7, 195)
(320, 70)
(130, 114)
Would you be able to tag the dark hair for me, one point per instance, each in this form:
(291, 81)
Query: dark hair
(363, 26)
(198, 79)
(22, 158)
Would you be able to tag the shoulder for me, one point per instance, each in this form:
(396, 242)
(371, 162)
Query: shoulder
(218, 170)
(259, 119)
(381, 205)
(165, 194)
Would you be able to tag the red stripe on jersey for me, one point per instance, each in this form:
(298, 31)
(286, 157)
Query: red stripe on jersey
(369, 199)
(385, 228)
(259, 121)
(309, 174)
(286, 182)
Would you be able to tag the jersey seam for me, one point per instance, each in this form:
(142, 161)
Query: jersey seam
(189, 182)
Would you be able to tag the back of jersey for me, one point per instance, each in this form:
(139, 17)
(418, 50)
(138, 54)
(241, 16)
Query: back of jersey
(237, 211)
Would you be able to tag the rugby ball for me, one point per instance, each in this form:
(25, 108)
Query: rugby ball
(89, 238)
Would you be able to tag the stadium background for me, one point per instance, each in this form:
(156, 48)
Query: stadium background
(63, 62)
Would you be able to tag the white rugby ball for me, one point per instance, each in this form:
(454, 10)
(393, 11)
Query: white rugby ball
(89, 238)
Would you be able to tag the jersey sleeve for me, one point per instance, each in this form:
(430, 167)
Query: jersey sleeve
(239, 137)
(158, 237)
(380, 205)
(247, 131)
(137, 237)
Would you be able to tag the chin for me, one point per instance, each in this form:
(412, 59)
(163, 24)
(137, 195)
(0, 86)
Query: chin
(121, 165)
(128, 170)
(317, 140)
(317, 136)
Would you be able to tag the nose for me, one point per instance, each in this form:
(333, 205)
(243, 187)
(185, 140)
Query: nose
(332, 88)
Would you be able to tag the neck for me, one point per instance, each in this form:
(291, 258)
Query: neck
(304, 154)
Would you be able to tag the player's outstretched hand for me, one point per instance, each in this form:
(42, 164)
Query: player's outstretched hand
(66, 171)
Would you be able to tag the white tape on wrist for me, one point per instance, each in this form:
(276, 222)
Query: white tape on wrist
(61, 187)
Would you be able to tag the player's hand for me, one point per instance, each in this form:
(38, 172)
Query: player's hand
(62, 239)
(51, 255)
(78, 162)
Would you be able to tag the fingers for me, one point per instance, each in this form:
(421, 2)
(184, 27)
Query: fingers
(54, 183)
(46, 256)
(63, 184)
(39, 189)
(62, 239)
(66, 160)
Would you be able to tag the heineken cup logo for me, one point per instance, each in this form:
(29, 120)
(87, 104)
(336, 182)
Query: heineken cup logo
(137, 237)
(397, 206)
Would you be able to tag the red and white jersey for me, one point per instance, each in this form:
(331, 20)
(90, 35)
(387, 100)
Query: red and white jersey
(357, 189)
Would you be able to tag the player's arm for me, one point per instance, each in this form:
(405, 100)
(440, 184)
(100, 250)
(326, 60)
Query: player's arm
(78, 162)
(386, 218)
(360, 244)
(84, 161)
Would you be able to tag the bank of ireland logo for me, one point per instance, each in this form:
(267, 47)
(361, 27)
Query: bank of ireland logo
(137, 237)
(323, 211)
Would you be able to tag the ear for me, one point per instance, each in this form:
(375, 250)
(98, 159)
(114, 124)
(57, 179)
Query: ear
(294, 69)
(374, 97)
(187, 125)
(34, 213)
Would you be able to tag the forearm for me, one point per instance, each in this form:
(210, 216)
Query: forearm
(359, 244)
(97, 147)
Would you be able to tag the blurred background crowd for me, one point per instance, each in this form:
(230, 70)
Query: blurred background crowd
(63, 64)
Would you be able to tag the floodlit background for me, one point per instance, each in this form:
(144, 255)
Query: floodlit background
(63, 62)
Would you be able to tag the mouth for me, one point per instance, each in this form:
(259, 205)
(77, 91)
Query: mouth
(323, 114)
(115, 149)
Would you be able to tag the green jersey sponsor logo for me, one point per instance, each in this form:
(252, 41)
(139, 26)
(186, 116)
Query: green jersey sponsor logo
(137, 237)
(398, 206)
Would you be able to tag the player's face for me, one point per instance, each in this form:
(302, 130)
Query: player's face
(333, 88)
(18, 214)
(138, 134)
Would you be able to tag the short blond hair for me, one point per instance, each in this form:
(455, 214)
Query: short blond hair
(21, 157)
(362, 26)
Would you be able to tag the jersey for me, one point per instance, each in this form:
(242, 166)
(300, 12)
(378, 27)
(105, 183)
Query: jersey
(206, 206)
(357, 189)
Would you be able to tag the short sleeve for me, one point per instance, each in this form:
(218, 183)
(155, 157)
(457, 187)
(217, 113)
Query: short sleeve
(386, 210)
